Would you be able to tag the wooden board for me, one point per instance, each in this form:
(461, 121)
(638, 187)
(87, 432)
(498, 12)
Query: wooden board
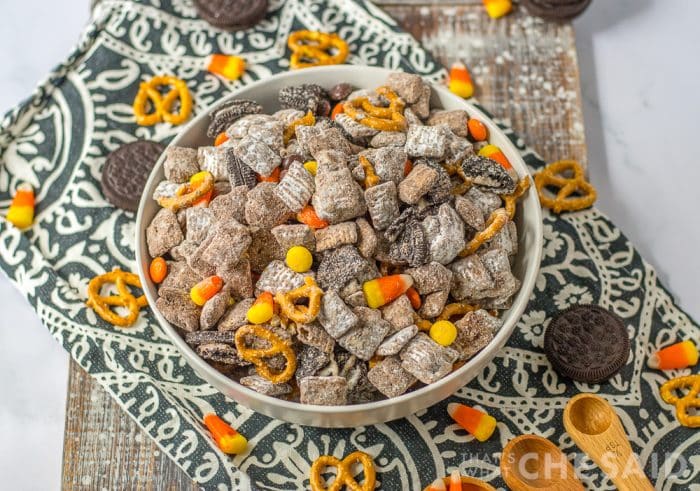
(525, 71)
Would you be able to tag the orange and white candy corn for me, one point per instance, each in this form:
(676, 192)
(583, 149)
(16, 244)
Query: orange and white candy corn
(477, 423)
(679, 355)
(262, 309)
(386, 289)
(437, 485)
(226, 438)
(498, 8)
(495, 153)
(455, 481)
(21, 211)
(230, 67)
(205, 289)
(460, 82)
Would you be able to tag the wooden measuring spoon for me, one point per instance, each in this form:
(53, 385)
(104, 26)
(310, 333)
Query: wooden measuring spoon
(530, 462)
(592, 423)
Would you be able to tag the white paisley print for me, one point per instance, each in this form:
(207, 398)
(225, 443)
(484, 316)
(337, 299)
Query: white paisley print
(58, 139)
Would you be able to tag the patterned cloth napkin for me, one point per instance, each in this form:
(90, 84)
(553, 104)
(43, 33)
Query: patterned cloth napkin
(58, 140)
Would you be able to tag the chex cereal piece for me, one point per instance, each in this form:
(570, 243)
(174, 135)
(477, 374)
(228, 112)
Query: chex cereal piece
(455, 120)
(356, 299)
(310, 361)
(388, 139)
(422, 106)
(221, 188)
(304, 134)
(268, 132)
(458, 148)
(178, 309)
(296, 187)
(327, 139)
(214, 309)
(427, 141)
(197, 338)
(315, 335)
(278, 278)
(389, 163)
(474, 332)
(323, 391)
(383, 204)
(180, 277)
(163, 233)
(398, 313)
(497, 264)
(505, 239)
(489, 174)
(236, 316)
(338, 197)
(297, 234)
(354, 129)
(241, 128)
(288, 116)
(225, 244)
(258, 156)
(390, 378)
(264, 209)
(418, 182)
(364, 339)
(487, 201)
(445, 233)
(395, 342)
(430, 278)
(180, 164)
(355, 372)
(433, 304)
(407, 85)
(165, 189)
(237, 277)
(230, 206)
(470, 213)
(426, 360)
(336, 236)
(367, 238)
(470, 278)
(412, 119)
(338, 267)
(223, 357)
(264, 386)
(263, 249)
(197, 263)
(199, 222)
(215, 160)
(335, 316)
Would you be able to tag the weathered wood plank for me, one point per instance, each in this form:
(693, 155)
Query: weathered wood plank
(525, 71)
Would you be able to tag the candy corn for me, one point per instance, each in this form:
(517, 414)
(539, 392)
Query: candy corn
(21, 212)
(230, 67)
(477, 423)
(679, 355)
(339, 108)
(460, 81)
(308, 216)
(437, 485)
(195, 181)
(273, 177)
(158, 270)
(498, 8)
(455, 481)
(221, 138)
(495, 153)
(205, 289)
(477, 130)
(227, 439)
(311, 166)
(386, 289)
(262, 309)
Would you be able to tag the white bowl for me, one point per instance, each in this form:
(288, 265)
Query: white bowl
(528, 219)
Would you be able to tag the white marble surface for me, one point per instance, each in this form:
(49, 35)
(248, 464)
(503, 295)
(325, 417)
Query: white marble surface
(639, 75)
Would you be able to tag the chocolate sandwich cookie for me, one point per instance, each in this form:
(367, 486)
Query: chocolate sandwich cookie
(126, 170)
(557, 10)
(587, 343)
(231, 14)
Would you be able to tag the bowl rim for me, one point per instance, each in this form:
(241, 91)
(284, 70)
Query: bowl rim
(478, 360)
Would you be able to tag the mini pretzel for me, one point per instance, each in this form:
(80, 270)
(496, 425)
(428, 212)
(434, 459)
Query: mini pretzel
(495, 223)
(552, 176)
(380, 118)
(453, 309)
(314, 47)
(688, 401)
(301, 314)
(422, 324)
(162, 106)
(187, 195)
(511, 200)
(101, 305)
(257, 356)
(307, 120)
(344, 476)
(371, 178)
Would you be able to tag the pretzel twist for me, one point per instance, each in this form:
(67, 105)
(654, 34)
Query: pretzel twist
(187, 195)
(344, 476)
(511, 200)
(380, 118)
(162, 105)
(495, 223)
(453, 309)
(315, 47)
(301, 314)
(257, 356)
(102, 305)
(690, 400)
(552, 176)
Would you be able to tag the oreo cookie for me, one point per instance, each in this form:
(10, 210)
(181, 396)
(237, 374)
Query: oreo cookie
(587, 343)
(126, 171)
(231, 14)
(557, 10)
